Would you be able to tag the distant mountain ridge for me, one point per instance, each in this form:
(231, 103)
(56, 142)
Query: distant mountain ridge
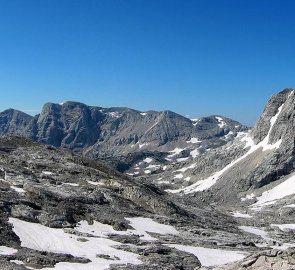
(99, 132)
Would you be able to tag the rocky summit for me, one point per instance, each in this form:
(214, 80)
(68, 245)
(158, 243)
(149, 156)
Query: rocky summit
(85, 187)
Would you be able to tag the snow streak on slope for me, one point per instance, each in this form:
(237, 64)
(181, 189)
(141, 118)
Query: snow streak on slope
(285, 227)
(7, 250)
(212, 257)
(269, 241)
(211, 180)
(144, 225)
(278, 192)
(241, 215)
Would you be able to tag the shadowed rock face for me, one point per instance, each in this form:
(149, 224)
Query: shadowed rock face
(72, 125)
(283, 126)
(15, 122)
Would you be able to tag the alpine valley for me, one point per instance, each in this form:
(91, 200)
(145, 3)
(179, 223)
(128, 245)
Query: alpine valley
(84, 187)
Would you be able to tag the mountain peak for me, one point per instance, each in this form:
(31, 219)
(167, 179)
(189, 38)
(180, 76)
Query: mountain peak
(278, 114)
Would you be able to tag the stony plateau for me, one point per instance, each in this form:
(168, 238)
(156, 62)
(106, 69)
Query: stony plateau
(187, 194)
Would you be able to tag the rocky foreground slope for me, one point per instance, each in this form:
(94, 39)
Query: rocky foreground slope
(63, 211)
(68, 212)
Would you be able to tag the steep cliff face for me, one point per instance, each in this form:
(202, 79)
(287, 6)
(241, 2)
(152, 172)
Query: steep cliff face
(72, 125)
(276, 128)
(278, 116)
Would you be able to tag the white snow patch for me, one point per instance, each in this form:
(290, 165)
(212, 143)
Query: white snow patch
(264, 236)
(187, 178)
(147, 171)
(163, 182)
(241, 215)
(175, 152)
(18, 262)
(194, 140)
(39, 237)
(290, 206)
(7, 250)
(47, 173)
(93, 183)
(211, 180)
(114, 114)
(195, 121)
(140, 227)
(241, 134)
(71, 184)
(265, 143)
(148, 160)
(97, 229)
(142, 145)
(284, 246)
(291, 93)
(256, 231)
(164, 168)
(143, 113)
(284, 227)
(212, 257)
(178, 176)
(182, 159)
(187, 168)
(228, 135)
(220, 121)
(194, 153)
(18, 189)
(153, 167)
(143, 225)
(248, 197)
(280, 191)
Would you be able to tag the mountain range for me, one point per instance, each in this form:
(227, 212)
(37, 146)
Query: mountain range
(86, 187)
(114, 133)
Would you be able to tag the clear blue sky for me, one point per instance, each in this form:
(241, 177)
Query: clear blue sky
(195, 57)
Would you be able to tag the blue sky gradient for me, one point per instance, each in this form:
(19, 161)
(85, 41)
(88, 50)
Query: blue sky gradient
(195, 57)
